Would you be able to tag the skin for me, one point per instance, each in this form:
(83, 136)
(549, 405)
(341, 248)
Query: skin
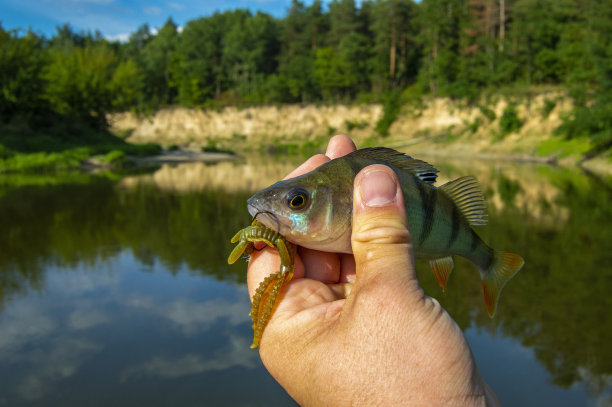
(357, 329)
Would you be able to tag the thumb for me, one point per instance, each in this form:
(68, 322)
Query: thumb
(381, 241)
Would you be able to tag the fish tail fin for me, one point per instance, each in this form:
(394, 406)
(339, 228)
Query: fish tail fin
(504, 266)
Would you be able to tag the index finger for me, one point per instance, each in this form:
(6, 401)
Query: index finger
(309, 165)
(338, 146)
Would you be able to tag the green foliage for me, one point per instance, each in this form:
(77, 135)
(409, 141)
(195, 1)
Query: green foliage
(510, 122)
(156, 59)
(21, 62)
(212, 147)
(349, 52)
(140, 150)
(78, 82)
(474, 125)
(44, 162)
(563, 147)
(488, 113)
(548, 107)
(391, 108)
(355, 124)
(114, 157)
(126, 85)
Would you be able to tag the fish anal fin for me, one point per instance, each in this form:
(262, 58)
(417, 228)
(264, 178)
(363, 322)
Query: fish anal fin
(465, 192)
(441, 269)
(505, 265)
(420, 169)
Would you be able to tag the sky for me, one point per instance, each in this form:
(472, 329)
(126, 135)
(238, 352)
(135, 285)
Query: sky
(116, 19)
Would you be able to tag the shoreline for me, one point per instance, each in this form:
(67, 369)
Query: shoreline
(438, 126)
(182, 156)
(596, 165)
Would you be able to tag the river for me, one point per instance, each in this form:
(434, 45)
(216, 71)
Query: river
(115, 289)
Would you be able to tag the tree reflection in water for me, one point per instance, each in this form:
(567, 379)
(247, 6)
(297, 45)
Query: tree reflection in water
(184, 216)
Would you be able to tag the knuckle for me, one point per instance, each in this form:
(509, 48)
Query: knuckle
(381, 229)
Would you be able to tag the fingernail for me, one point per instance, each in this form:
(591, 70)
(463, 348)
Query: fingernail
(377, 188)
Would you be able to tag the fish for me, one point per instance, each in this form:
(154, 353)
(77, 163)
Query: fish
(314, 210)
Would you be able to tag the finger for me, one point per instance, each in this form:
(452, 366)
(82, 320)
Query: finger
(322, 266)
(381, 242)
(339, 145)
(309, 165)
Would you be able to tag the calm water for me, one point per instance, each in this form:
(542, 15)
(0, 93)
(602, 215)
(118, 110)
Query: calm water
(116, 289)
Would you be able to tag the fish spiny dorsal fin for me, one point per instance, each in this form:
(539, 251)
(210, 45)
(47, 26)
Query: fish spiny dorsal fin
(424, 171)
(467, 195)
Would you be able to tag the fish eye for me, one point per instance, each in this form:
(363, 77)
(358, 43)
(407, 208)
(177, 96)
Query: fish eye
(297, 199)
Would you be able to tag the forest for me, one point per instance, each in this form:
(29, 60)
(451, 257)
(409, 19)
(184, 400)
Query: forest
(382, 51)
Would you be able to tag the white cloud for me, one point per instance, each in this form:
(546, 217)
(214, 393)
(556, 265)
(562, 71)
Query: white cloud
(152, 10)
(192, 316)
(21, 324)
(50, 365)
(238, 354)
(176, 6)
(123, 37)
(79, 283)
(86, 318)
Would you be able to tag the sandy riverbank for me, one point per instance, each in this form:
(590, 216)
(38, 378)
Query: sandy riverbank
(438, 127)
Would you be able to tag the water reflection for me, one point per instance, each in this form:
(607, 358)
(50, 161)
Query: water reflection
(121, 286)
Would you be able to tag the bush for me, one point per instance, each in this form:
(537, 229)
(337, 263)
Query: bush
(141, 150)
(5, 152)
(114, 157)
(391, 108)
(488, 113)
(473, 126)
(40, 162)
(549, 105)
(509, 122)
(355, 124)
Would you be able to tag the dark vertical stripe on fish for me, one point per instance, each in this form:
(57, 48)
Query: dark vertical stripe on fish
(428, 203)
(454, 228)
(475, 241)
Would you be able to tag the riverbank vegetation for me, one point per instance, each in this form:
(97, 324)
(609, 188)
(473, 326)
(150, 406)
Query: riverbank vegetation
(389, 52)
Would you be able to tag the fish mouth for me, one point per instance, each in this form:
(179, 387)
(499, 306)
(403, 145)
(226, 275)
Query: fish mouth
(269, 219)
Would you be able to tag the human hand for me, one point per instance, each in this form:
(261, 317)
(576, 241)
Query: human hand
(358, 330)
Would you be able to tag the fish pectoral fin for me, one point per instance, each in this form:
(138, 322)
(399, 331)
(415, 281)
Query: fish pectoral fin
(505, 265)
(465, 192)
(442, 268)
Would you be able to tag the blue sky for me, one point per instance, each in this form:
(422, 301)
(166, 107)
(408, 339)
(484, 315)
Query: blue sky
(117, 18)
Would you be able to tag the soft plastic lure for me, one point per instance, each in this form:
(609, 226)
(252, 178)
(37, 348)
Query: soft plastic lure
(266, 296)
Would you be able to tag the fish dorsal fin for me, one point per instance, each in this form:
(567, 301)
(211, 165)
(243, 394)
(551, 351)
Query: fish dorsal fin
(467, 195)
(424, 171)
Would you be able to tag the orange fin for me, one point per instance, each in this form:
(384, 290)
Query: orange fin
(441, 269)
(505, 266)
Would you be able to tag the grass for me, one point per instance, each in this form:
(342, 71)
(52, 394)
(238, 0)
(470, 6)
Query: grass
(293, 146)
(62, 147)
(212, 147)
(564, 147)
(43, 162)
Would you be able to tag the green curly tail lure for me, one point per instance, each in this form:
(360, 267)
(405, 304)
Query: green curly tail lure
(266, 296)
